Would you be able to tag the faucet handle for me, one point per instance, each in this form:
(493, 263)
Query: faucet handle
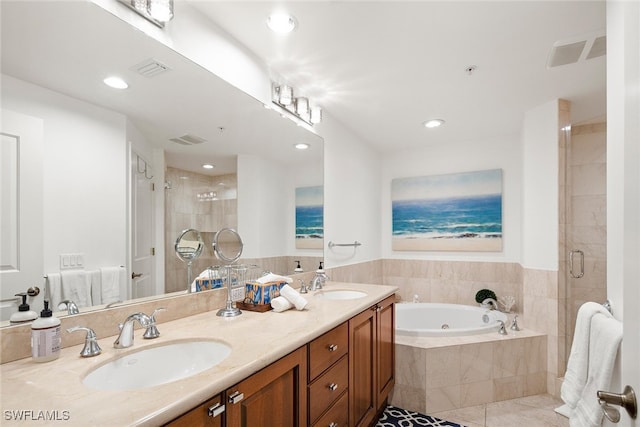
(91, 347)
(152, 331)
(72, 307)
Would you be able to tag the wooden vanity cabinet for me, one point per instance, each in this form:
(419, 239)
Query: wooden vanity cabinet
(209, 414)
(273, 397)
(372, 360)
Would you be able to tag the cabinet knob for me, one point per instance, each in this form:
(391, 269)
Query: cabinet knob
(236, 397)
(333, 347)
(333, 425)
(333, 386)
(216, 409)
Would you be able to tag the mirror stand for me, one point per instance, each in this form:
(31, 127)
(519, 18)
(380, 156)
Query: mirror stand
(229, 310)
(227, 246)
(188, 248)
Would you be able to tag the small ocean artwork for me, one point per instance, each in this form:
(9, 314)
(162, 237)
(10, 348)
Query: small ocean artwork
(454, 212)
(309, 217)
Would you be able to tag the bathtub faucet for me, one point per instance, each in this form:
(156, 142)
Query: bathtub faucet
(490, 303)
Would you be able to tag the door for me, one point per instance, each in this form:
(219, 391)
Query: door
(362, 368)
(623, 182)
(143, 283)
(21, 208)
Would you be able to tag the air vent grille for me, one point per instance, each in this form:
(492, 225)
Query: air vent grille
(188, 139)
(150, 68)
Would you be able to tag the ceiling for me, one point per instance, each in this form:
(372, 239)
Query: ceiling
(382, 68)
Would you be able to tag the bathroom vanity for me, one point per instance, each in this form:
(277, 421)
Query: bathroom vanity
(331, 363)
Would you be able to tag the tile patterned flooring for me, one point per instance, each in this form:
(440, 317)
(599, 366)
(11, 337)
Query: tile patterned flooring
(531, 411)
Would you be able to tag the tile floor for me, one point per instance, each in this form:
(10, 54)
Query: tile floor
(532, 411)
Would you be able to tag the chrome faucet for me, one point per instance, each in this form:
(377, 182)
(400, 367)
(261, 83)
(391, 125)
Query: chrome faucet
(125, 339)
(72, 308)
(91, 347)
(490, 303)
(152, 331)
(319, 280)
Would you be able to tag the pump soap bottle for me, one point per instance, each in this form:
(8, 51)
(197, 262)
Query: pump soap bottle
(45, 336)
(24, 314)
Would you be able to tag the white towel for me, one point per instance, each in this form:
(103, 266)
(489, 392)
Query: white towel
(280, 304)
(294, 297)
(604, 341)
(96, 286)
(55, 290)
(577, 366)
(270, 277)
(112, 279)
(76, 286)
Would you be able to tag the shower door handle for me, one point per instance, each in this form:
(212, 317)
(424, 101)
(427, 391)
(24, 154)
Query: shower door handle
(571, 270)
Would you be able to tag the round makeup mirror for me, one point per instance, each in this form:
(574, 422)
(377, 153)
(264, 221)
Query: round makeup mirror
(227, 245)
(188, 247)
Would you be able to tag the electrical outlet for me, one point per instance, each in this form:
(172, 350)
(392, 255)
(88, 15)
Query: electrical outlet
(237, 294)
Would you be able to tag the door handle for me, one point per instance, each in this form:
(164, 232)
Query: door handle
(626, 399)
(136, 275)
(571, 271)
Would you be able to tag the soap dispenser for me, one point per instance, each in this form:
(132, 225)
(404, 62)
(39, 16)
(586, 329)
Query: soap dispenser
(298, 268)
(24, 314)
(45, 336)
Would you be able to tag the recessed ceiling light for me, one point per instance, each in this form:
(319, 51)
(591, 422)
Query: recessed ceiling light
(301, 146)
(115, 82)
(281, 22)
(208, 166)
(433, 123)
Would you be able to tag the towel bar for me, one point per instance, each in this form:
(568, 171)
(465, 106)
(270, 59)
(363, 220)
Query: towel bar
(354, 244)
(607, 305)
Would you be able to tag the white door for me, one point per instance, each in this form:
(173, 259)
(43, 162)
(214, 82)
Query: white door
(623, 187)
(143, 258)
(21, 212)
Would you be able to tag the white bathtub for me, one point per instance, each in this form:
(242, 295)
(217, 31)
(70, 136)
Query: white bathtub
(445, 320)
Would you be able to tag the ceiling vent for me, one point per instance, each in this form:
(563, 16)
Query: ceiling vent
(188, 139)
(573, 50)
(150, 68)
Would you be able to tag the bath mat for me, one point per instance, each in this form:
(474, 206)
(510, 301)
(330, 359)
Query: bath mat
(398, 417)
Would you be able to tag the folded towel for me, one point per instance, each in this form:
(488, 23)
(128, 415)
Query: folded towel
(113, 279)
(280, 304)
(54, 291)
(76, 286)
(576, 375)
(270, 277)
(95, 277)
(564, 410)
(293, 296)
(604, 341)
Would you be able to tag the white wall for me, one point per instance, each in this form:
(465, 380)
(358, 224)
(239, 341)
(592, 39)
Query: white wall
(498, 153)
(540, 188)
(84, 179)
(352, 195)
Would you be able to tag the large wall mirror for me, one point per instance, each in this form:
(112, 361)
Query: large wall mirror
(119, 172)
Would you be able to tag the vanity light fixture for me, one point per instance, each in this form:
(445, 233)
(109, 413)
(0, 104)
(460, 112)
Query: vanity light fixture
(301, 146)
(281, 23)
(282, 95)
(157, 12)
(115, 82)
(433, 123)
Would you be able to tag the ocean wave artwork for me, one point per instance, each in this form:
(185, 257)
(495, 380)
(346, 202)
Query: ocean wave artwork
(309, 217)
(454, 212)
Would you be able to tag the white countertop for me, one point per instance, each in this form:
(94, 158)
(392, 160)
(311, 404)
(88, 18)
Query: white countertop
(55, 388)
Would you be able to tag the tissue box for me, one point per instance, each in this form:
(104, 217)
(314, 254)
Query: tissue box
(203, 284)
(262, 293)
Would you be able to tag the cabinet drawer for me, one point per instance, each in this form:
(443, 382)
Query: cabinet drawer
(328, 387)
(337, 416)
(327, 349)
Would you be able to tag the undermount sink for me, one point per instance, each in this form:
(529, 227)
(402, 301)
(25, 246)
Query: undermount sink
(341, 294)
(157, 365)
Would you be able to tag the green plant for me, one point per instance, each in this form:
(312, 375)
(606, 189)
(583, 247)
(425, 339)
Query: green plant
(483, 294)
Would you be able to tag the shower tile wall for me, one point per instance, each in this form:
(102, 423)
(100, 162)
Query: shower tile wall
(587, 216)
(183, 210)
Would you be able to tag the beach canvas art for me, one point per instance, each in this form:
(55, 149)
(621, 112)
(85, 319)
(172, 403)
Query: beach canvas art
(454, 212)
(309, 217)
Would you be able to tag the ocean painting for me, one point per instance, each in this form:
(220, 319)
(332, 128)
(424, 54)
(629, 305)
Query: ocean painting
(309, 217)
(454, 212)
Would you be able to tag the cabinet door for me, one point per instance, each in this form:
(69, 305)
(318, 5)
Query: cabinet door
(273, 397)
(209, 414)
(362, 368)
(386, 348)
